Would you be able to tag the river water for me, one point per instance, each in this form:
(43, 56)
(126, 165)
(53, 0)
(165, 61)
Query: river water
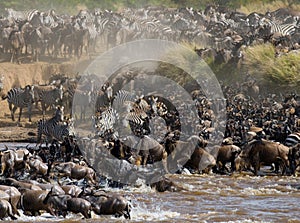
(240, 197)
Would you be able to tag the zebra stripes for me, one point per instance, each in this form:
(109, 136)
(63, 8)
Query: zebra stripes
(21, 15)
(48, 96)
(282, 29)
(49, 127)
(20, 98)
(228, 23)
(127, 111)
(136, 116)
(122, 98)
(61, 131)
(292, 139)
(105, 122)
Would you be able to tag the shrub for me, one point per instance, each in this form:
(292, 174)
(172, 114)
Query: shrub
(261, 62)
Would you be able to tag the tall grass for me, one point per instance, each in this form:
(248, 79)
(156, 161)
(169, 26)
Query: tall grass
(268, 6)
(283, 71)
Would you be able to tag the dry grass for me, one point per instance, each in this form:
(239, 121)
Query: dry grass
(261, 62)
(185, 65)
(263, 7)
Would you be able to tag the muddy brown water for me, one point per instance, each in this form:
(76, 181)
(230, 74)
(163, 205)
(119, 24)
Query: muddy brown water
(240, 197)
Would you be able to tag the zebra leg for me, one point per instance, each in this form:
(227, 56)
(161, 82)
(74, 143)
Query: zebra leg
(12, 56)
(13, 110)
(43, 108)
(37, 55)
(29, 112)
(20, 114)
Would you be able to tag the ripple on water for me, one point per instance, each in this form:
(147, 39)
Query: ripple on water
(143, 213)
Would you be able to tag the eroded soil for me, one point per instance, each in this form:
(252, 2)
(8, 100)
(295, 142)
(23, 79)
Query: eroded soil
(16, 75)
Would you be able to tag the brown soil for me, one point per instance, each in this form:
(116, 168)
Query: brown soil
(16, 75)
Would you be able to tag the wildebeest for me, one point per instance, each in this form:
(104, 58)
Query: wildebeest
(37, 167)
(76, 171)
(227, 153)
(72, 190)
(104, 204)
(46, 186)
(65, 203)
(19, 184)
(14, 196)
(263, 152)
(200, 160)
(32, 202)
(17, 43)
(189, 153)
(12, 160)
(6, 210)
(165, 184)
(151, 151)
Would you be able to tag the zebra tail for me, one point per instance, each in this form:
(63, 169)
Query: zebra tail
(4, 96)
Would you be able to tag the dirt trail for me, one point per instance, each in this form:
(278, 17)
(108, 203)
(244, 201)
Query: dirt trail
(16, 75)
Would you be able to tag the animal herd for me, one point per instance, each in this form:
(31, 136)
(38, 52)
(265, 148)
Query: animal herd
(220, 32)
(28, 184)
(61, 174)
(258, 132)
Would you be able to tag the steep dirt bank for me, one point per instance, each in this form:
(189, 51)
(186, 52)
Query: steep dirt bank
(16, 75)
(37, 73)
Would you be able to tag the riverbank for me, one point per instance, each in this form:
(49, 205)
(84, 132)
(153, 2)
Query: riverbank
(19, 75)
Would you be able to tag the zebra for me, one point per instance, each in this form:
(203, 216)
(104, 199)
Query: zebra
(134, 112)
(282, 29)
(136, 108)
(93, 34)
(21, 15)
(48, 96)
(121, 98)
(228, 23)
(20, 98)
(63, 130)
(49, 18)
(107, 27)
(48, 127)
(138, 121)
(292, 139)
(105, 123)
